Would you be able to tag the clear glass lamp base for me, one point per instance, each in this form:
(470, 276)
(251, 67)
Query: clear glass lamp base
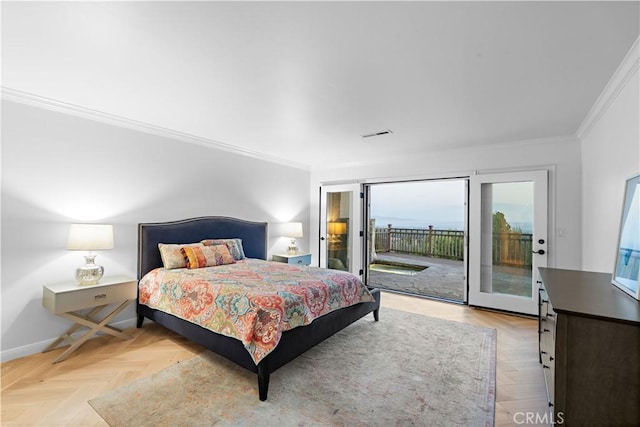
(293, 248)
(90, 273)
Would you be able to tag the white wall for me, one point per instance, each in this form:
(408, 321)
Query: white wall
(610, 155)
(586, 180)
(560, 155)
(58, 169)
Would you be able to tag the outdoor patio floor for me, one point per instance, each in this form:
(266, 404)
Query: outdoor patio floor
(443, 278)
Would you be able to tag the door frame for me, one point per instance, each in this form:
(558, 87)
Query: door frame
(507, 302)
(366, 186)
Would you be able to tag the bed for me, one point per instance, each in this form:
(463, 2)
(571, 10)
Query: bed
(253, 235)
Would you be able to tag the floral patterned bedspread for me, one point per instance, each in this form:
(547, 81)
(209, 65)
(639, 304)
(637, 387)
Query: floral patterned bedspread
(252, 300)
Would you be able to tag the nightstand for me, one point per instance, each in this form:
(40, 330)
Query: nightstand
(297, 259)
(64, 299)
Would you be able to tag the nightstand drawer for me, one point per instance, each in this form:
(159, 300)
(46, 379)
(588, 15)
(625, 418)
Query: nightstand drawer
(58, 300)
(301, 259)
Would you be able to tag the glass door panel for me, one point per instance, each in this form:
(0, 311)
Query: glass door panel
(506, 230)
(508, 239)
(338, 242)
(340, 228)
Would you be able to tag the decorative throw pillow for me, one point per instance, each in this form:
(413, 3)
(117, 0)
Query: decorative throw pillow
(172, 256)
(206, 256)
(234, 246)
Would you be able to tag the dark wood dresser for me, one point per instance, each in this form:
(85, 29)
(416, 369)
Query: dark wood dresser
(589, 338)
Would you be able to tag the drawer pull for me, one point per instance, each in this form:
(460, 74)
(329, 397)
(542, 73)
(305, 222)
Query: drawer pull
(550, 315)
(543, 352)
(545, 367)
(100, 296)
(550, 405)
(545, 301)
(550, 358)
(546, 330)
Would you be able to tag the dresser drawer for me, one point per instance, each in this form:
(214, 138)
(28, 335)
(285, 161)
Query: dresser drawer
(548, 327)
(302, 259)
(61, 301)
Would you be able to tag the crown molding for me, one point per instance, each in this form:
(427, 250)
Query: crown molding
(402, 157)
(623, 74)
(99, 116)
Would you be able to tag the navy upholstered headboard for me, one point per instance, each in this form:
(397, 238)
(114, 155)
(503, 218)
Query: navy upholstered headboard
(253, 235)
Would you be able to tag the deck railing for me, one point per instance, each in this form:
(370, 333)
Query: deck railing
(508, 248)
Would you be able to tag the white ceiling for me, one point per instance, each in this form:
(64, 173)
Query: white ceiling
(302, 81)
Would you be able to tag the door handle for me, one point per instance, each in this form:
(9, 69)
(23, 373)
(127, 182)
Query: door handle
(540, 252)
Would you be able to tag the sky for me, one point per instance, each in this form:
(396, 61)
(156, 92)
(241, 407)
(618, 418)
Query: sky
(441, 203)
(515, 200)
(418, 203)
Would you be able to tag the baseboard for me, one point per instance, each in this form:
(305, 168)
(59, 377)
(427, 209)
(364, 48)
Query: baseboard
(38, 347)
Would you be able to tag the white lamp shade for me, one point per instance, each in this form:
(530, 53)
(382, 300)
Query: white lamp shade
(337, 228)
(90, 237)
(291, 229)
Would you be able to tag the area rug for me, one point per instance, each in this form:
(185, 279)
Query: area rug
(404, 370)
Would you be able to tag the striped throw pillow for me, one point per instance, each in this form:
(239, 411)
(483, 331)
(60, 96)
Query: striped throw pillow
(206, 256)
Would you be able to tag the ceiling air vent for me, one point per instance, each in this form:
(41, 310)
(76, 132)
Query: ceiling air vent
(382, 132)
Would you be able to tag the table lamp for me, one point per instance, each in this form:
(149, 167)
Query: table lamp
(90, 237)
(292, 230)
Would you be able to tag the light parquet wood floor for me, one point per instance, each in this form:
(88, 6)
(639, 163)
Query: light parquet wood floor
(36, 393)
